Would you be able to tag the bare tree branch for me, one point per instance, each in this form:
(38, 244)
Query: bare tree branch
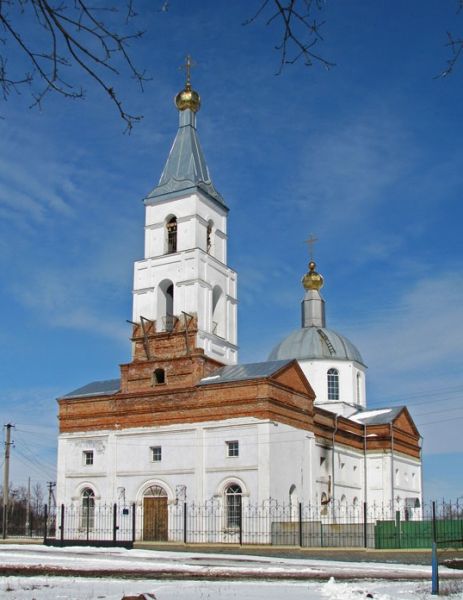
(301, 30)
(65, 36)
(456, 48)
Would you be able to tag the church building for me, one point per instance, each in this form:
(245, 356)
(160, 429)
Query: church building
(186, 422)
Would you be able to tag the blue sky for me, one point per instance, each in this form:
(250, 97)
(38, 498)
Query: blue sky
(367, 156)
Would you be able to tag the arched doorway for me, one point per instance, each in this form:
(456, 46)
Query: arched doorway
(155, 514)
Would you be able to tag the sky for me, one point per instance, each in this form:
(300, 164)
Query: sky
(366, 156)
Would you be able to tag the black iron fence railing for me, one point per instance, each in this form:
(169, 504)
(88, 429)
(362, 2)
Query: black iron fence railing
(272, 523)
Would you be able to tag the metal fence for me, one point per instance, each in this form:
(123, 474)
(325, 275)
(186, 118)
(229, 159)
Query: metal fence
(272, 523)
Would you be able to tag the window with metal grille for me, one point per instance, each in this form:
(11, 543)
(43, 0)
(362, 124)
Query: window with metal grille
(171, 227)
(156, 453)
(333, 384)
(88, 509)
(233, 448)
(233, 495)
(88, 457)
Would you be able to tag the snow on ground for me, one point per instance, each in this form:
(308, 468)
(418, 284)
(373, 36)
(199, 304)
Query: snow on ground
(120, 560)
(71, 588)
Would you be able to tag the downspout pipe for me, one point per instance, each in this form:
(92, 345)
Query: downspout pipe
(333, 495)
(391, 431)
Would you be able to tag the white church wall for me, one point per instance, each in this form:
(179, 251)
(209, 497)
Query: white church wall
(290, 466)
(316, 372)
(194, 275)
(391, 478)
(193, 213)
(340, 478)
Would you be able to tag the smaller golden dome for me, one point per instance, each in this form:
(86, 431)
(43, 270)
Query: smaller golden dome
(312, 280)
(188, 98)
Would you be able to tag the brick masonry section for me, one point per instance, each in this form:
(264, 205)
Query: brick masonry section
(284, 397)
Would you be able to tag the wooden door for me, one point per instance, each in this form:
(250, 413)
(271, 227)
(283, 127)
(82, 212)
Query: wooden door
(155, 519)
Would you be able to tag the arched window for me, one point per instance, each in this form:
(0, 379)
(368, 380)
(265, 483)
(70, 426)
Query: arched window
(233, 496)
(324, 501)
(209, 237)
(155, 491)
(88, 508)
(218, 311)
(293, 503)
(171, 227)
(359, 393)
(333, 384)
(159, 376)
(166, 305)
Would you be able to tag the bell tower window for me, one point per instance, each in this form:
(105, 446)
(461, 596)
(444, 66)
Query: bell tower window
(333, 384)
(171, 227)
(209, 237)
(165, 314)
(218, 311)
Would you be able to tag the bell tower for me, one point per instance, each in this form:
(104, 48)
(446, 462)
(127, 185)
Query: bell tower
(184, 271)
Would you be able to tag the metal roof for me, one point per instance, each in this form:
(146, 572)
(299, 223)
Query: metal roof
(186, 166)
(96, 388)
(378, 416)
(244, 372)
(316, 342)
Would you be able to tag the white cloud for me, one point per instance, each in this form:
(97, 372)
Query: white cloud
(424, 327)
(347, 169)
(413, 345)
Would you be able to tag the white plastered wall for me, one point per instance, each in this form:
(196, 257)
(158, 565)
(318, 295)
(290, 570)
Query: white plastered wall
(193, 270)
(352, 391)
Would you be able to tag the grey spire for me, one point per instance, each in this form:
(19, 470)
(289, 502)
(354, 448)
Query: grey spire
(186, 167)
(313, 309)
(313, 305)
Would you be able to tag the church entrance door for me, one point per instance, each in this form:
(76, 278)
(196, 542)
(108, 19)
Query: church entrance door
(155, 514)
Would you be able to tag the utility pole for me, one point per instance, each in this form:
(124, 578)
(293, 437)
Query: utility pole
(51, 485)
(28, 507)
(6, 478)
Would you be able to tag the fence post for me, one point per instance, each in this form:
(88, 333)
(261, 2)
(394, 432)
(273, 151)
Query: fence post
(398, 532)
(300, 524)
(434, 559)
(115, 527)
(184, 523)
(365, 530)
(61, 527)
(240, 517)
(133, 521)
(45, 523)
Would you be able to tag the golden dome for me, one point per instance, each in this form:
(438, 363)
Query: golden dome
(188, 98)
(312, 280)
